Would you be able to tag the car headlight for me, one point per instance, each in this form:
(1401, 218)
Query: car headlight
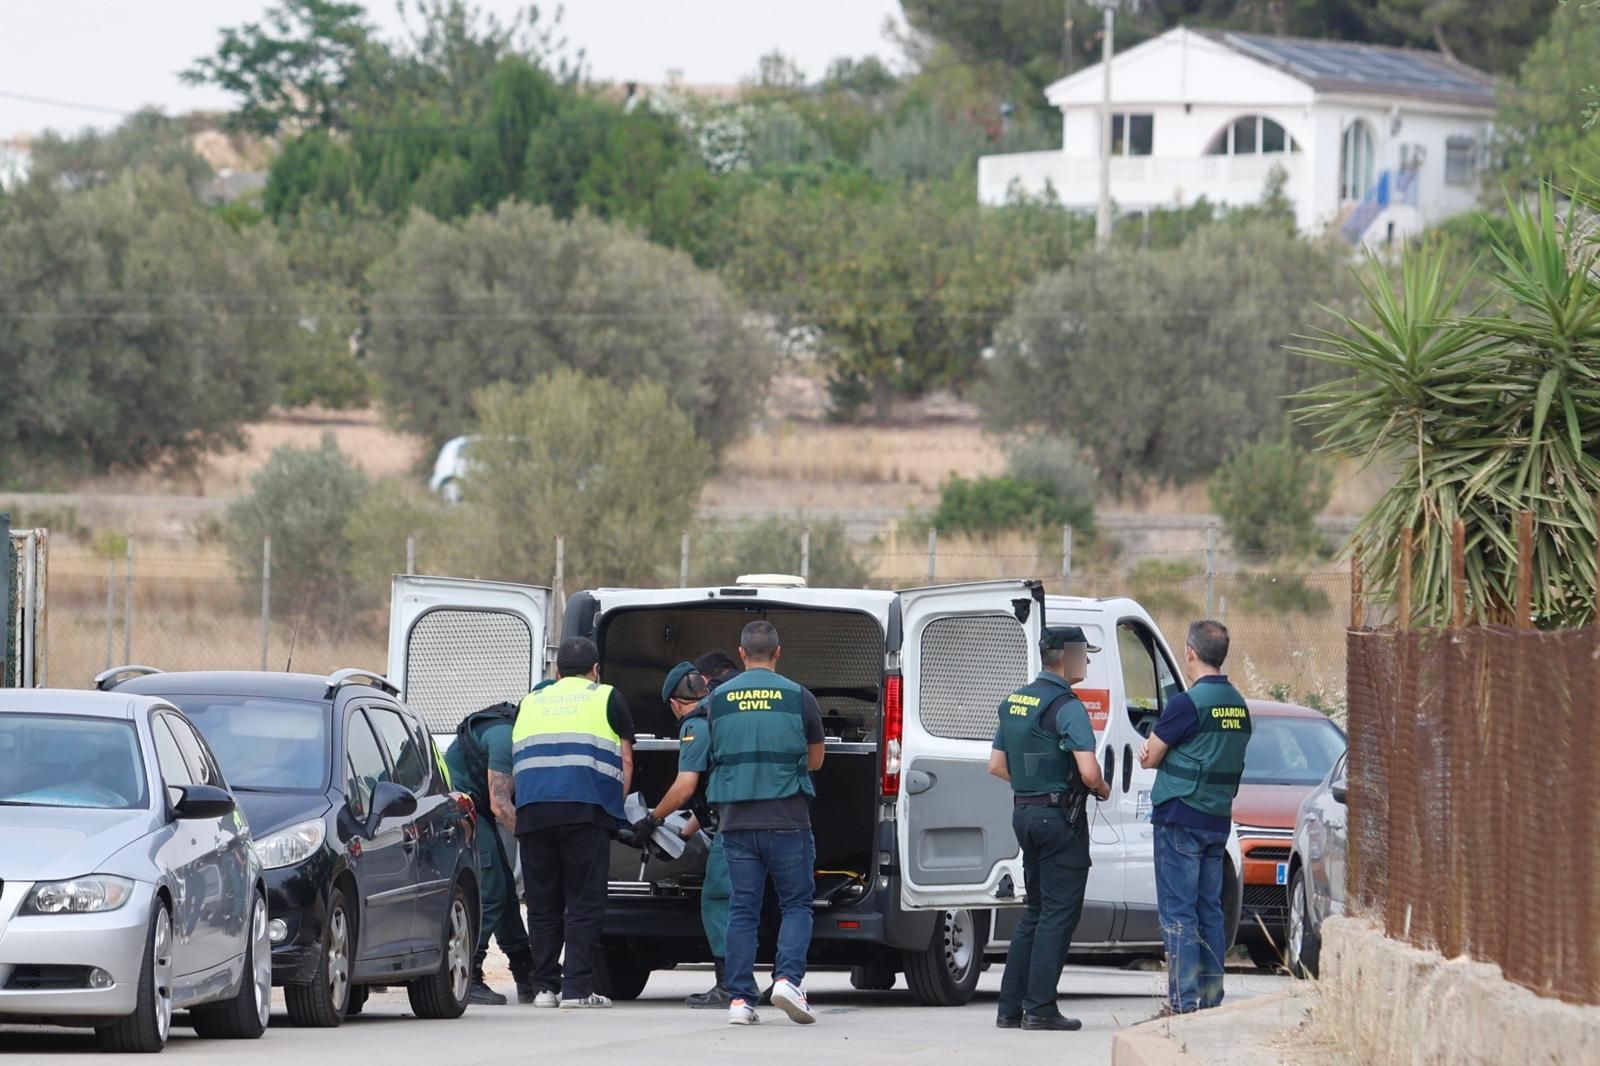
(81, 895)
(289, 846)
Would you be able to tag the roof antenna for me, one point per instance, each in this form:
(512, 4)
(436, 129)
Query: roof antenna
(294, 636)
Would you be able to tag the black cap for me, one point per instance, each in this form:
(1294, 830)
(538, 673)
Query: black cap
(716, 665)
(576, 657)
(683, 682)
(1058, 637)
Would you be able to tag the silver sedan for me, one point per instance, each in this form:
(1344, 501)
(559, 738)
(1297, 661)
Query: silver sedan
(129, 887)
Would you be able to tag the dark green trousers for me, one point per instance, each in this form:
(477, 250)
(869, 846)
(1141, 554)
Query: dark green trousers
(1055, 866)
(714, 896)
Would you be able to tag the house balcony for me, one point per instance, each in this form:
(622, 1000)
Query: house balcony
(1138, 183)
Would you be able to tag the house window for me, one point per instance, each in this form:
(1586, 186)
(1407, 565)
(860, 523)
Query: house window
(1132, 134)
(1460, 160)
(1355, 161)
(1252, 135)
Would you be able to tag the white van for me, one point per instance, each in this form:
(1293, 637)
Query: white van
(918, 871)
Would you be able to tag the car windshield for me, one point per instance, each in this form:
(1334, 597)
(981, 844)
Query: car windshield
(264, 745)
(1291, 751)
(52, 760)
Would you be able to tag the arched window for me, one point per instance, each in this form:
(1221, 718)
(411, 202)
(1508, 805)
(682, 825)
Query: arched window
(1355, 161)
(1252, 135)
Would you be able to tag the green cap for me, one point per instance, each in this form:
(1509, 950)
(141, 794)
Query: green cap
(684, 682)
(1058, 637)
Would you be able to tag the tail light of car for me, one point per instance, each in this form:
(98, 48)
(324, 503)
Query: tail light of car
(893, 725)
(468, 808)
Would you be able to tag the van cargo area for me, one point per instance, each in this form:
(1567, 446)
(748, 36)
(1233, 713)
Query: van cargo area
(837, 654)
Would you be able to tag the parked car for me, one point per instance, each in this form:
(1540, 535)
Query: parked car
(919, 872)
(450, 469)
(1317, 868)
(371, 871)
(1291, 750)
(130, 888)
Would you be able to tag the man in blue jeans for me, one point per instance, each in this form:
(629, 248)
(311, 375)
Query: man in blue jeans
(766, 740)
(1199, 744)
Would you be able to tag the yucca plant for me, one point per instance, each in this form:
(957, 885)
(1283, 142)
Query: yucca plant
(1484, 411)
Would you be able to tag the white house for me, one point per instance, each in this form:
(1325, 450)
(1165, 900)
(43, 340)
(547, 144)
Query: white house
(1377, 141)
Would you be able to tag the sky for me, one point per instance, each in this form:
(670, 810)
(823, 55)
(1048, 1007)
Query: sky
(114, 56)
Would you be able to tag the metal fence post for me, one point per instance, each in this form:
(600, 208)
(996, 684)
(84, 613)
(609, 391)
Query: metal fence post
(411, 553)
(1066, 560)
(266, 599)
(683, 561)
(127, 607)
(933, 555)
(561, 576)
(805, 554)
(1211, 565)
(111, 608)
(6, 577)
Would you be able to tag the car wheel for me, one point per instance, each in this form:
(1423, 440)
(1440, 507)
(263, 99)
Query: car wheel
(245, 1016)
(322, 1003)
(619, 974)
(1232, 902)
(443, 993)
(147, 1028)
(946, 974)
(874, 978)
(1304, 943)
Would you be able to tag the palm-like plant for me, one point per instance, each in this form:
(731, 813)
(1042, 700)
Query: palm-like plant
(1485, 412)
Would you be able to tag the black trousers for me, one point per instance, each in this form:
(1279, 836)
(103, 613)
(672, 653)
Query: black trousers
(1055, 866)
(564, 872)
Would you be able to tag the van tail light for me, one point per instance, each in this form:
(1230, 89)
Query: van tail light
(893, 724)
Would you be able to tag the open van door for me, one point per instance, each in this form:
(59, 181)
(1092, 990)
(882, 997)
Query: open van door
(962, 649)
(457, 646)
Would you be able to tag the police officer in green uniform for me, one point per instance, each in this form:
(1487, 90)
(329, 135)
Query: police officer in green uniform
(1198, 744)
(1044, 746)
(479, 764)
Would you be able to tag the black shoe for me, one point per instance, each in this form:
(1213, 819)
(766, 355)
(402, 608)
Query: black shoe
(714, 998)
(526, 993)
(1057, 1022)
(1003, 1022)
(482, 994)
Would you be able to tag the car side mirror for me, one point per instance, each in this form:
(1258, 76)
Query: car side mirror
(1339, 791)
(203, 803)
(389, 800)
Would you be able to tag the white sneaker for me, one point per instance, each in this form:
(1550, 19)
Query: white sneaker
(742, 1013)
(792, 1001)
(547, 999)
(593, 1001)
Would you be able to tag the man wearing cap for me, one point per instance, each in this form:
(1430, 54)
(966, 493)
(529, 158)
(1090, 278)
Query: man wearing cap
(1044, 747)
(685, 691)
(1199, 745)
(572, 762)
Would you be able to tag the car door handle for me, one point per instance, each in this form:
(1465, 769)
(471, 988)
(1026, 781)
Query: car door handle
(1127, 767)
(1109, 766)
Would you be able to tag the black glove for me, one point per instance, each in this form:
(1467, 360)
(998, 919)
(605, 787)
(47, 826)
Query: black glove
(644, 827)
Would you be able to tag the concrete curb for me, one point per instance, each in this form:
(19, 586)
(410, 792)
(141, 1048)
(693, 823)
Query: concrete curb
(1251, 1031)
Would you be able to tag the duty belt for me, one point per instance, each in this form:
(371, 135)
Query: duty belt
(1071, 802)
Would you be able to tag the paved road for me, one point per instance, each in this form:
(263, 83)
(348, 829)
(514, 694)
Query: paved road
(857, 1028)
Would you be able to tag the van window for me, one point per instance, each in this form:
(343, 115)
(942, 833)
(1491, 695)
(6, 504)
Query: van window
(969, 664)
(1148, 679)
(461, 661)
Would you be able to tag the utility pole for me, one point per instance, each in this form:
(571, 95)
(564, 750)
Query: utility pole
(1066, 42)
(1102, 221)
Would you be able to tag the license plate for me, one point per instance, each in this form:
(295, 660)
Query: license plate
(1283, 873)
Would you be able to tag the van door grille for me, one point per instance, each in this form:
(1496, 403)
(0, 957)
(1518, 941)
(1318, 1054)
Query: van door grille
(969, 664)
(461, 661)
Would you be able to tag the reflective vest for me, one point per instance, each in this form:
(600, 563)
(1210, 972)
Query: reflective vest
(1034, 758)
(758, 739)
(563, 749)
(1204, 770)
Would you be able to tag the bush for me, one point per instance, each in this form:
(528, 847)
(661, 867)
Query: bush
(395, 509)
(1162, 586)
(990, 505)
(772, 546)
(303, 499)
(1269, 495)
(1281, 594)
(1053, 460)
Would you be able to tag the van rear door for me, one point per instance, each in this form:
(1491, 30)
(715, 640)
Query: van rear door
(457, 646)
(963, 648)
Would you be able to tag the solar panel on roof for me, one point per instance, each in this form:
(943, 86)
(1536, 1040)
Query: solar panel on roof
(1378, 67)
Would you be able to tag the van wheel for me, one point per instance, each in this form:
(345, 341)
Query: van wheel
(619, 974)
(946, 974)
(875, 978)
(1303, 945)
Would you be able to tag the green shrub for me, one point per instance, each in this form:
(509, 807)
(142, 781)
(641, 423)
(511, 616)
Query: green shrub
(394, 510)
(1162, 586)
(772, 546)
(990, 505)
(1054, 460)
(1269, 495)
(1280, 594)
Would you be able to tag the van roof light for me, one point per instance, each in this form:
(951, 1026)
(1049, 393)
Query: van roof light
(776, 581)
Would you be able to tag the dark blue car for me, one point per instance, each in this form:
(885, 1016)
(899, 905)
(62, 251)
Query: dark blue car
(370, 865)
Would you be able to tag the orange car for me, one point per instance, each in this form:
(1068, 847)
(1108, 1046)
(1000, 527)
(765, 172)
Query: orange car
(1291, 749)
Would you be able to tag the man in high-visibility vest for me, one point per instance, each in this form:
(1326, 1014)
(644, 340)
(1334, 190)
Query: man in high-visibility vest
(572, 762)
(1199, 744)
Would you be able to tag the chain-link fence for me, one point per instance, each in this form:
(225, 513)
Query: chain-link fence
(198, 607)
(1473, 797)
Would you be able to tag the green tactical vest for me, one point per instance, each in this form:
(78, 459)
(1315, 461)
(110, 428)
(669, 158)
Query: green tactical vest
(1034, 757)
(758, 740)
(1204, 770)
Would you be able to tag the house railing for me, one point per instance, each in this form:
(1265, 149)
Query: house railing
(1392, 187)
